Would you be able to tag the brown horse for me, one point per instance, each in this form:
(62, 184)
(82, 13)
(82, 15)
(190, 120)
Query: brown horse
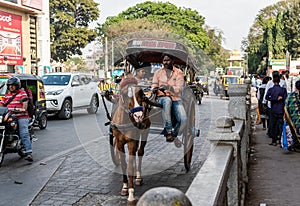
(130, 125)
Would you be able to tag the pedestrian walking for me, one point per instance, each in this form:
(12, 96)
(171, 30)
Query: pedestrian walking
(277, 96)
(262, 110)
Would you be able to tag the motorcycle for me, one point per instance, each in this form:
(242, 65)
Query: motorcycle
(198, 92)
(10, 141)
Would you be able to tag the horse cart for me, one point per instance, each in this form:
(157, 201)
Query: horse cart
(146, 54)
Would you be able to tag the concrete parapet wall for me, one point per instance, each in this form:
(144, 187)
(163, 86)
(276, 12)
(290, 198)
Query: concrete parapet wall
(210, 181)
(209, 186)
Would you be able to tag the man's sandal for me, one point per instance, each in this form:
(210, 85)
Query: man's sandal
(169, 137)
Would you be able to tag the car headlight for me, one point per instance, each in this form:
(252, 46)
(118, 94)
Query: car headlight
(57, 92)
(1, 119)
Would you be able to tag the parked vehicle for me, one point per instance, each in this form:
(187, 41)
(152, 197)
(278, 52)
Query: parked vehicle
(35, 84)
(10, 141)
(66, 92)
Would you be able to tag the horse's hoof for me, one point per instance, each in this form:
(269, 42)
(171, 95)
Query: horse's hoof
(131, 199)
(124, 192)
(132, 202)
(139, 182)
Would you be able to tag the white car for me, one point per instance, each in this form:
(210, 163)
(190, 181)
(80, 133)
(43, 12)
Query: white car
(66, 92)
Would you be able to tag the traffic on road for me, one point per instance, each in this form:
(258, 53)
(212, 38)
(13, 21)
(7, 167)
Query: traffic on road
(74, 153)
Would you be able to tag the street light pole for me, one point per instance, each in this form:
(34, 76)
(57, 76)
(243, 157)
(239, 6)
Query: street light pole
(106, 58)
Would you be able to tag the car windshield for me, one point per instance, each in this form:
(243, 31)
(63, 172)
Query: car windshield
(202, 79)
(3, 86)
(56, 79)
(231, 80)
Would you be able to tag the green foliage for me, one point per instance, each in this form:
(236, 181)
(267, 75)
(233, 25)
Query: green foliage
(186, 22)
(75, 64)
(167, 18)
(292, 30)
(275, 30)
(280, 43)
(69, 32)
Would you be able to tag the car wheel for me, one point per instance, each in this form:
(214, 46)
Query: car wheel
(66, 110)
(93, 105)
(43, 121)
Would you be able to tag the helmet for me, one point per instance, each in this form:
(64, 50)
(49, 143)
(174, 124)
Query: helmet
(197, 79)
(14, 81)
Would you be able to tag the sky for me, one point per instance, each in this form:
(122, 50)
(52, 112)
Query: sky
(232, 17)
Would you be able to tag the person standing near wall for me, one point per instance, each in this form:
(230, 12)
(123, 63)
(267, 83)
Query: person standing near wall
(276, 95)
(260, 96)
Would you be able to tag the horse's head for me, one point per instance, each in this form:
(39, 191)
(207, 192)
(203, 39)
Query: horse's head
(134, 99)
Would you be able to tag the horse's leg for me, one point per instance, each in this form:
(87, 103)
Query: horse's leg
(121, 151)
(132, 148)
(144, 136)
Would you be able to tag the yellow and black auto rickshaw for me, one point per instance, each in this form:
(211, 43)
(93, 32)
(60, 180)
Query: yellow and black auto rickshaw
(226, 81)
(35, 84)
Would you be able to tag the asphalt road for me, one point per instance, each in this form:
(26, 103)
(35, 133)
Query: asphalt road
(72, 164)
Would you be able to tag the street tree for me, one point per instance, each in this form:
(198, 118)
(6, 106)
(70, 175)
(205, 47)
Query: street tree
(75, 64)
(185, 21)
(69, 31)
(280, 44)
(292, 30)
(272, 34)
(167, 18)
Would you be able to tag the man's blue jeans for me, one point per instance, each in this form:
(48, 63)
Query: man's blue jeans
(176, 108)
(24, 134)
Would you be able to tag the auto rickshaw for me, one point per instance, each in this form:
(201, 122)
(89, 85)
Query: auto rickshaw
(226, 81)
(35, 84)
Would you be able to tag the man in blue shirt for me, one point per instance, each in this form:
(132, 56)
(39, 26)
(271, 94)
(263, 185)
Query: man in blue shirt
(276, 95)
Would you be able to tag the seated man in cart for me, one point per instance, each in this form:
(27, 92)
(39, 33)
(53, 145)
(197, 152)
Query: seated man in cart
(167, 83)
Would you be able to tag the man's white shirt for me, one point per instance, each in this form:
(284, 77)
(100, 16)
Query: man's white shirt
(270, 84)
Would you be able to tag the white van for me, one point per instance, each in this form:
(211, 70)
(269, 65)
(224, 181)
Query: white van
(66, 92)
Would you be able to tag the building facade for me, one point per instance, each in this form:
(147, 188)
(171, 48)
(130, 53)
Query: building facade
(24, 36)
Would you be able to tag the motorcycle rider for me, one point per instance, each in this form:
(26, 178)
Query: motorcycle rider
(19, 108)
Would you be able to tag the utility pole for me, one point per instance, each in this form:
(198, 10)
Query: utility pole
(106, 59)
(112, 56)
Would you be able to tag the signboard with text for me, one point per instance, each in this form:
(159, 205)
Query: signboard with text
(10, 39)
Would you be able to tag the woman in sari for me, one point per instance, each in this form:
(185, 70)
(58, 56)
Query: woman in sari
(292, 113)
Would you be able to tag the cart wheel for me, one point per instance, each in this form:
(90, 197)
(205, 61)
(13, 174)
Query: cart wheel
(188, 138)
(113, 152)
(2, 151)
(43, 121)
(1, 158)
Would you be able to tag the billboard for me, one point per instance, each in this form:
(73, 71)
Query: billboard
(10, 39)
